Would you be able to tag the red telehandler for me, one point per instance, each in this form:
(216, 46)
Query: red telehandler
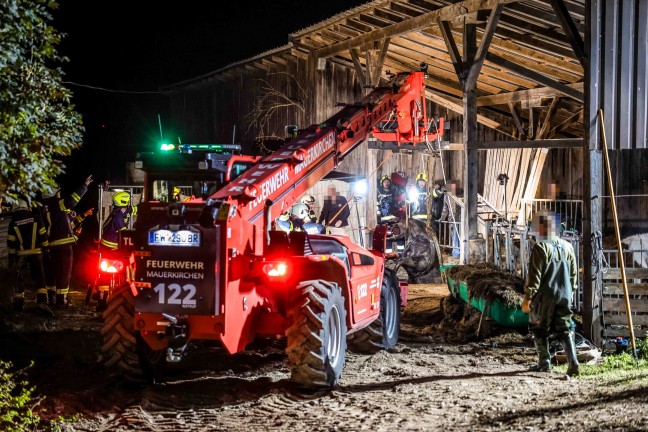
(214, 269)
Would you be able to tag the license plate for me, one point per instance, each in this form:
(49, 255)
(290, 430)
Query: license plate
(174, 238)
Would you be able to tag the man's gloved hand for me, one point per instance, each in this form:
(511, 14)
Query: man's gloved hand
(88, 212)
(526, 305)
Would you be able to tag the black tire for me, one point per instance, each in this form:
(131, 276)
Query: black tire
(383, 333)
(123, 348)
(316, 334)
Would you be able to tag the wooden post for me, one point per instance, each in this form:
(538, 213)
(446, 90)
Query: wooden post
(592, 173)
(471, 159)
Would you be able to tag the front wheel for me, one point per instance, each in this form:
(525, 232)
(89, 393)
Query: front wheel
(383, 333)
(316, 334)
(123, 348)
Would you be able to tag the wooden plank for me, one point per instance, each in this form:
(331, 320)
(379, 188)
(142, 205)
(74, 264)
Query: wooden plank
(535, 76)
(631, 273)
(524, 168)
(546, 63)
(491, 80)
(624, 332)
(633, 289)
(524, 95)
(539, 143)
(622, 319)
(448, 13)
(618, 305)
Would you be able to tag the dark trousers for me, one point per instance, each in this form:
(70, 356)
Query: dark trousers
(35, 263)
(58, 268)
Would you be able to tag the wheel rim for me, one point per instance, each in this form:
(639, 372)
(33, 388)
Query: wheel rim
(391, 309)
(335, 336)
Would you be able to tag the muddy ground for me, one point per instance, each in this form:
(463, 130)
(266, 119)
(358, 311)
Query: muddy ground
(439, 377)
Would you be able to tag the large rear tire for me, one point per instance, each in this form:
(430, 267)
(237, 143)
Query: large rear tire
(316, 345)
(383, 333)
(123, 348)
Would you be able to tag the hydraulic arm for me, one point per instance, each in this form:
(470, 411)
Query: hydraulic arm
(392, 113)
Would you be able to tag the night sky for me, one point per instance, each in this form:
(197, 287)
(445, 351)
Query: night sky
(142, 45)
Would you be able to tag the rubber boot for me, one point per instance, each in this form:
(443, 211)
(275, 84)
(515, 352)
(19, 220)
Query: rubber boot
(544, 358)
(51, 297)
(41, 298)
(18, 304)
(102, 299)
(62, 301)
(573, 368)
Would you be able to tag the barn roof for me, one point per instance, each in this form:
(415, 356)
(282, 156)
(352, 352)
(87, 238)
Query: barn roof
(535, 58)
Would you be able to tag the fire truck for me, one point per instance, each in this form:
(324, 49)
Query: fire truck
(211, 267)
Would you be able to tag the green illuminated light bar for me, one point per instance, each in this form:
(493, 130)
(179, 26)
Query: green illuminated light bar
(201, 147)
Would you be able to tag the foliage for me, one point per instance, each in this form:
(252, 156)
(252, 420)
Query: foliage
(17, 403)
(38, 124)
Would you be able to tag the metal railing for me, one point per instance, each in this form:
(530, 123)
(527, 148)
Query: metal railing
(570, 211)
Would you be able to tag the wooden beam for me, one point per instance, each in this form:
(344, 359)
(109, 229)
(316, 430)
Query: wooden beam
(454, 104)
(535, 76)
(453, 51)
(516, 117)
(566, 123)
(449, 13)
(539, 143)
(544, 129)
(380, 62)
(487, 36)
(570, 30)
(524, 95)
(360, 74)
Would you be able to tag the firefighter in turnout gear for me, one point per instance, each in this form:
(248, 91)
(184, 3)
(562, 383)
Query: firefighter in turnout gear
(117, 221)
(553, 274)
(385, 197)
(26, 238)
(418, 197)
(309, 200)
(58, 267)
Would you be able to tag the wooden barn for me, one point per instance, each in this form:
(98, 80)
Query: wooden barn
(519, 82)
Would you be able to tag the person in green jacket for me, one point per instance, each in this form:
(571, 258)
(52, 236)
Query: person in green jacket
(552, 275)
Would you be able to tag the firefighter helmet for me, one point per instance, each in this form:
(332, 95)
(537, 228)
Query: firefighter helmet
(307, 199)
(176, 191)
(299, 210)
(121, 199)
(21, 203)
(422, 176)
(385, 177)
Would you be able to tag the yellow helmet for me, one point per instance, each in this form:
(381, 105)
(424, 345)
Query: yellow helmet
(385, 177)
(121, 199)
(422, 176)
(176, 190)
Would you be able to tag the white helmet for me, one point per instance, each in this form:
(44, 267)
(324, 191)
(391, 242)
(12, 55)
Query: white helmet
(299, 210)
(307, 199)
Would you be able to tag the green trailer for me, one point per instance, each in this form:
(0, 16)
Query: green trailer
(497, 310)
